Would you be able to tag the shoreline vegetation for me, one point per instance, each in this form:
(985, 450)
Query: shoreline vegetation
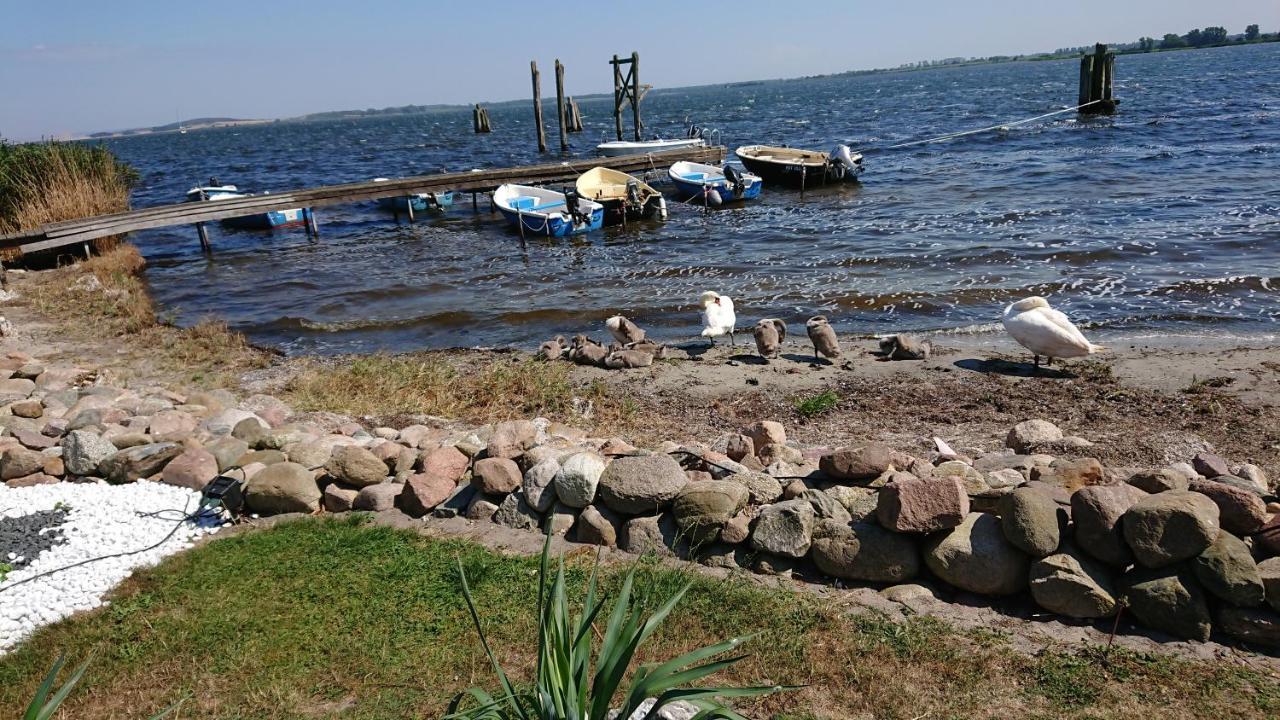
(1197, 39)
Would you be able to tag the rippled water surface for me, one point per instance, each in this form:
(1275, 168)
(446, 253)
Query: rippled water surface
(1164, 218)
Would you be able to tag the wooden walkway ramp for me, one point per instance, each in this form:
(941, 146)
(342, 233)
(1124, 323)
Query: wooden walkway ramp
(73, 232)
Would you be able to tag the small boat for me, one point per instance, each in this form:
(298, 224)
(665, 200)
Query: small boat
(615, 148)
(797, 168)
(713, 185)
(215, 190)
(546, 212)
(624, 197)
(436, 203)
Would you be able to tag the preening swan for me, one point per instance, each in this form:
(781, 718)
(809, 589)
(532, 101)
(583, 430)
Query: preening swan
(823, 337)
(718, 317)
(625, 331)
(1045, 331)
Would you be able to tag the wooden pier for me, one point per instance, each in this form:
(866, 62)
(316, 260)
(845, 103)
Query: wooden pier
(75, 232)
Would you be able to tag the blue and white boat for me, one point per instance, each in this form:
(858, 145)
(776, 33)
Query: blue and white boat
(436, 203)
(259, 221)
(539, 211)
(713, 185)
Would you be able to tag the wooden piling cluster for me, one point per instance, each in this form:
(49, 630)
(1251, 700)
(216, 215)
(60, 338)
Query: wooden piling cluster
(1097, 74)
(480, 119)
(573, 117)
(626, 90)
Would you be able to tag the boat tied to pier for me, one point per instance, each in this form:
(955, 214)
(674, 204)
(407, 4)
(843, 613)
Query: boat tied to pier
(429, 202)
(798, 168)
(714, 185)
(214, 190)
(546, 212)
(623, 196)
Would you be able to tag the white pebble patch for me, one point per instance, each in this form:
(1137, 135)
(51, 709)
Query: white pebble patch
(101, 520)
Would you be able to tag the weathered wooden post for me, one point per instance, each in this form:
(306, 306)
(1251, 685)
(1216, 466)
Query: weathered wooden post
(204, 237)
(537, 106)
(1086, 72)
(635, 92)
(480, 118)
(575, 115)
(312, 227)
(617, 96)
(560, 120)
(1097, 73)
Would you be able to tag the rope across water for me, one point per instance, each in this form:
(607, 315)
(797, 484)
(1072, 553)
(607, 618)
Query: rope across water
(990, 128)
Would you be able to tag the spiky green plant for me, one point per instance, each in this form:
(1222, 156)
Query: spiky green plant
(43, 706)
(572, 684)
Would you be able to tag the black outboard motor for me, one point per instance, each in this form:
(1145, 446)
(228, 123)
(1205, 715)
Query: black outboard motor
(694, 132)
(733, 176)
(572, 201)
(633, 194)
(213, 182)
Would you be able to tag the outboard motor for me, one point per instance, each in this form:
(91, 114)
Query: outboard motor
(573, 202)
(735, 178)
(694, 132)
(633, 193)
(844, 163)
(213, 182)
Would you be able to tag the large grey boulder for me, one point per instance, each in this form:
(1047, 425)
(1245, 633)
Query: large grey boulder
(578, 479)
(1269, 572)
(642, 484)
(379, 497)
(511, 439)
(515, 512)
(83, 451)
(1164, 599)
(785, 528)
(857, 464)
(226, 450)
(1240, 511)
(283, 487)
(859, 502)
(1095, 513)
(356, 466)
(1026, 435)
(598, 525)
(1070, 583)
(975, 556)
(917, 505)
(538, 484)
(1170, 527)
(496, 475)
(762, 487)
(1227, 571)
(867, 552)
(1257, 627)
(701, 509)
(650, 535)
(139, 462)
(1030, 521)
(1154, 481)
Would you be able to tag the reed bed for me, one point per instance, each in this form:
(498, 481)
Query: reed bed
(50, 182)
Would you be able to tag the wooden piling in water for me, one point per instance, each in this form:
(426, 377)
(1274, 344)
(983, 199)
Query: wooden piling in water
(560, 119)
(617, 96)
(626, 89)
(204, 236)
(537, 105)
(480, 119)
(1097, 72)
(575, 116)
(635, 92)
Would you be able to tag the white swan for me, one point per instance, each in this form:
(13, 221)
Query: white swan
(718, 317)
(1045, 331)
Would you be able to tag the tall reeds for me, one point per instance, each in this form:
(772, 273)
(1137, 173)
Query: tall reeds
(50, 182)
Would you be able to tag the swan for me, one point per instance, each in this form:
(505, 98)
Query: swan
(718, 317)
(625, 331)
(769, 334)
(1045, 331)
(823, 337)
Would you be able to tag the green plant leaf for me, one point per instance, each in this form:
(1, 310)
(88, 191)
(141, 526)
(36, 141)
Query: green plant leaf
(516, 709)
(60, 696)
(42, 692)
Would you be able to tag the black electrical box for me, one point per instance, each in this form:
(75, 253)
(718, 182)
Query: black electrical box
(227, 492)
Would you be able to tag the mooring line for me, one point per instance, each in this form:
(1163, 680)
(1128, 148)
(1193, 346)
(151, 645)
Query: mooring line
(963, 133)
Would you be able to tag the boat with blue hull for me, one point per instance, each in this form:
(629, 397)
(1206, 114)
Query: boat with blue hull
(712, 185)
(538, 211)
(435, 203)
(270, 220)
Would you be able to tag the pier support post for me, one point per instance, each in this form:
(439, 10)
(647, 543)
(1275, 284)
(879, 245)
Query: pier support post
(626, 89)
(312, 228)
(409, 207)
(617, 96)
(537, 106)
(204, 236)
(635, 92)
(480, 119)
(1097, 77)
(560, 110)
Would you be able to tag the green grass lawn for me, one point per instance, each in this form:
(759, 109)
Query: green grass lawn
(336, 618)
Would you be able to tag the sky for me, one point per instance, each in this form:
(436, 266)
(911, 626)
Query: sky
(78, 67)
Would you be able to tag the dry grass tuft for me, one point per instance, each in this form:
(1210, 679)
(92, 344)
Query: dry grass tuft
(43, 183)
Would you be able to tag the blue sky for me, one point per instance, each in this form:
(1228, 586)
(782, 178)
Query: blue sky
(75, 67)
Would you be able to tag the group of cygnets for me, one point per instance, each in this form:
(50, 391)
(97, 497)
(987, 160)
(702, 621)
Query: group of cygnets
(1031, 322)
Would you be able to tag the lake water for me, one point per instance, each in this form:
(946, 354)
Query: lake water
(1164, 219)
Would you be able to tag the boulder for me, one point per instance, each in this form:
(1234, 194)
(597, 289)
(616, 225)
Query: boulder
(227, 450)
(1154, 481)
(738, 447)
(264, 457)
(1228, 572)
(598, 525)
(424, 491)
(141, 461)
(515, 512)
(170, 423)
(33, 439)
(1239, 511)
(578, 479)
(1254, 476)
(1210, 465)
(1071, 474)
(194, 468)
(1095, 514)
(974, 482)
(314, 454)
(701, 509)
(39, 478)
(1024, 436)
(826, 507)
(1030, 520)
(251, 431)
(773, 453)
(415, 436)
(561, 519)
(785, 528)
(27, 409)
(1166, 600)
(762, 488)
(447, 462)
(510, 439)
(650, 535)
(356, 466)
(481, 509)
(921, 506)
(1256, 627)
(224, 422)
(766, 432)
(867, 552)
(642, 484)
(860, 502)
(283, 487)
(1170, 527)
(857, 464)
(339, 498)
(1268, 538)
(539, 484)
(19, 462)
(1069, 583)
(378, 497)
(738, 529)
(975, 556)
(1269, 573)
(496, 475)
